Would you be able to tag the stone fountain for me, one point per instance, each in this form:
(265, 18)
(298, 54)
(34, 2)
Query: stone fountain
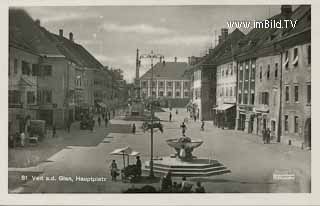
(183, 163)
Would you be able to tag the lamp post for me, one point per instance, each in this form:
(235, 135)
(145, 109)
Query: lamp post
(151, 56)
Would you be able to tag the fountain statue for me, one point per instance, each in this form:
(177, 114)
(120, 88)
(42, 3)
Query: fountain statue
(183, 163)
(184, 147)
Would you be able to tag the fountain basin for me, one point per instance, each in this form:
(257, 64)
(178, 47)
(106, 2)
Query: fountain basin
(179, 143)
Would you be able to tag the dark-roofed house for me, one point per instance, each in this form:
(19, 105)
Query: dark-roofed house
(170, 84)
(257, 43)
(295, 47)
(64, 71)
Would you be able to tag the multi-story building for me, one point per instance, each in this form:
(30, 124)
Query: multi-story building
(170, 84)
(295, 59)
(22, 84)
(226, 98)
(59, 69)
(206, 91)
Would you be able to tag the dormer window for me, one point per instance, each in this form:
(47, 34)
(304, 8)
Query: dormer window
(295, 57)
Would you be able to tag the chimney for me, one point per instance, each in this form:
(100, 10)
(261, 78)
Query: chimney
(37, 21)
(224, 34)
(220, 39)
(71, 36)
(175, 59)
(61, 32)
(286, 10)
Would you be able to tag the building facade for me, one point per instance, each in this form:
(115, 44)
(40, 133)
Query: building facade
(170, 85)
(225, 110)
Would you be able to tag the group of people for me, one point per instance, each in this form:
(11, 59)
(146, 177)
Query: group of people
(168, 186)
(114, 171)
(266, 136)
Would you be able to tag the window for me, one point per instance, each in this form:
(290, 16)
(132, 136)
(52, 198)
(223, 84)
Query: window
(169, 94)
(161, 84)
(177, 94)
(186, 94)
(14, 97)
(161, 93)
(260, 74)
(276, 71)
(252, 98)
(227, 91)
(35, 69)
(25, 68)
(154, 93)
(186, 84)
(154, 83)
(265, 98)
(287, 95)
(46, 70)
(286, 123)
(31, 98)
(245, 98)
(309, 54)
(309, 94)
(223, 91)
(296, 124)
(240, 98)
(169, 84)
(48, 96)
(286, 61)
(295, 57)
(268, 72)
(15, 66)
(222, 73)
(296, 93)
(231, 91)
(177, 84)
(144, 84)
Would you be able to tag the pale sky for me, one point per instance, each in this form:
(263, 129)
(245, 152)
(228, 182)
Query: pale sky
(113, 33)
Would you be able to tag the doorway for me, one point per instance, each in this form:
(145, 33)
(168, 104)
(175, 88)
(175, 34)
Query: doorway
(307, 133)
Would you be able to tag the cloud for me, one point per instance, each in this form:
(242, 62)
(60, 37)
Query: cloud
(136, 28)
(49, 15)
(181, 40)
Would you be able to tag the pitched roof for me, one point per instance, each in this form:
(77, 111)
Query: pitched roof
(25, 33)
(223, 51)
(302, 31)
(73, 51)
(168, 70)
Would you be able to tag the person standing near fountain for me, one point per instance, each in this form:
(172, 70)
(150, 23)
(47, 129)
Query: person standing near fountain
(184, 128)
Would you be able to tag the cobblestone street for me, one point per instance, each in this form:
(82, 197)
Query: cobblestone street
(251, 162)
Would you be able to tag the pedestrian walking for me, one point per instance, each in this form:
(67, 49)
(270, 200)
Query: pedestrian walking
(183, 127)
(109, 115)
(69, 125)
(170, 117)
(186, 186)
(195, 118)
(199, 188)
(114, 170)
(166, 183)
(264, 136)
(133, 128)
(102, 115)
(202, 125)
(139, 166)
(99, 120)
(176, 111)
(54, 132)
(268, 136)
(106, 121)
(22, 139)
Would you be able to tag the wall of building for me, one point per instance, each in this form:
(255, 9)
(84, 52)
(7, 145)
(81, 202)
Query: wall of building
(226, 83)
(246, 95)
(267, 94)
(299, 75)
(18, 112)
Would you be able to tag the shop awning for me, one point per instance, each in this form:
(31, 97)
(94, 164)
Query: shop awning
(224, 107)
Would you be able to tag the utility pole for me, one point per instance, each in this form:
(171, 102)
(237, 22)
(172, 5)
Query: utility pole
(151, 56)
